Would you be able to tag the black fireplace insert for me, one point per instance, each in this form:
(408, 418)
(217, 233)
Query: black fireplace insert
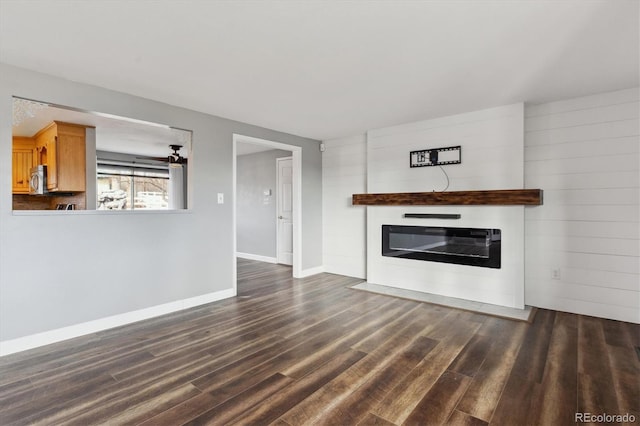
(464, 246)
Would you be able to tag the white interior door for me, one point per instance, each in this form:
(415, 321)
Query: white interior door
(284, 198)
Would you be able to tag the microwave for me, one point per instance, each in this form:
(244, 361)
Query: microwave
(38, 180)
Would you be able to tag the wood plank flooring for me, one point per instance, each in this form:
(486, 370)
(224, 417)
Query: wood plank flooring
(312, 351)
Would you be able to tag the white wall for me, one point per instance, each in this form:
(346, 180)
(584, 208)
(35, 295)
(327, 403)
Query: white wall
(162, 258)
(344, 173)
(492, 158)
(585, 154)
(492, 152)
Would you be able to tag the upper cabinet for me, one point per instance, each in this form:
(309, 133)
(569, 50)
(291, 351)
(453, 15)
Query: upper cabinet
(23, 159)
(62, 148)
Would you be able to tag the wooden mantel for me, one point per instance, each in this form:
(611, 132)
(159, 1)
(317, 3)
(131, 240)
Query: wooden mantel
(502, 197)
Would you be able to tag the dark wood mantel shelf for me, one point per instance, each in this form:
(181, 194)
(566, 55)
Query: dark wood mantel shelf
(501, 197)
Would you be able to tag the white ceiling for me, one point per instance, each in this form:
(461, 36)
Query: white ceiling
(327, 69)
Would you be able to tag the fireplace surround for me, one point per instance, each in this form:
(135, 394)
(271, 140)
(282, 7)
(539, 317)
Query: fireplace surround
(502, 285)
(485, 192)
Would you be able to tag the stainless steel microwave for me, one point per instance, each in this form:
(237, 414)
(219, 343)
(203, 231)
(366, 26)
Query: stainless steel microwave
(38, 180)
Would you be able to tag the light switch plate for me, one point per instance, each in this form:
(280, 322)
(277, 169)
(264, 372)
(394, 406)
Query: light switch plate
(220, 198)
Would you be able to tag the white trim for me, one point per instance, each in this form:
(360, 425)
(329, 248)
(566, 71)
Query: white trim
(256, 257)
(234, 244)
(52, 336)
(311, 271)
(297, 213)
(297, 198)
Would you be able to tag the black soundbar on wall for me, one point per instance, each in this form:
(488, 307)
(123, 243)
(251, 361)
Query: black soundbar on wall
(431, 216)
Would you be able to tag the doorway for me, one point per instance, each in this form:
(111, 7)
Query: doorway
(292, 226)
(284, 208)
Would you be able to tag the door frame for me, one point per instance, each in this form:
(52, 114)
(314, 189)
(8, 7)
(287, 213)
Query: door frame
(278, 200)
(296, 154)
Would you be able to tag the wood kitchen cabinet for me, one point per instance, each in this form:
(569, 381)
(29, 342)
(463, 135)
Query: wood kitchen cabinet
(23, 159)
(62, 148)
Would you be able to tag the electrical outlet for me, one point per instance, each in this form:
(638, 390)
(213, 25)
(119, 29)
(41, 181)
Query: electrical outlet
(555, 274)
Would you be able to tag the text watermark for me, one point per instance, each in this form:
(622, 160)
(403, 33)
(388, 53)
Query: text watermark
(604, 418)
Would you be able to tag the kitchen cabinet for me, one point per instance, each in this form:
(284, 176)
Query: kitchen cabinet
(62, 148)
(23, 159)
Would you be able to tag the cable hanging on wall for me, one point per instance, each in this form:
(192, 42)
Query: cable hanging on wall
(447, 176)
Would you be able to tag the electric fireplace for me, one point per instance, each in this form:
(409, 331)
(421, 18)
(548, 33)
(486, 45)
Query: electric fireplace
(464, 246)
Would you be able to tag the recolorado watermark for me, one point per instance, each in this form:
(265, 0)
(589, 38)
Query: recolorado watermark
(604, 418)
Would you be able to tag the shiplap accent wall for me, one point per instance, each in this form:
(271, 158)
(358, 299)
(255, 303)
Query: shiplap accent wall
(492, 158)
(585, 154)
(492, 152)
(344, 172)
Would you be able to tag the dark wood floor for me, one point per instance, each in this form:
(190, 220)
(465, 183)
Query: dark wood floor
(293, 352)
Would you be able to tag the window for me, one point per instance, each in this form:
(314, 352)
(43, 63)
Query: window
(131, 187)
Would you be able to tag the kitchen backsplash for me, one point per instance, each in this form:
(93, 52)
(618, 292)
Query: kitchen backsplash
(33, 202)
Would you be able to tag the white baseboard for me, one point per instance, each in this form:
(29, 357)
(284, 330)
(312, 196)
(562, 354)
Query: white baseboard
(311, 271)
(52, 336)
(256, 257)
(352, 273)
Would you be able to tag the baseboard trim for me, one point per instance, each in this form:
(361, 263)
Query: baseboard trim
(257, 257)
(20, 344)
(311, 271)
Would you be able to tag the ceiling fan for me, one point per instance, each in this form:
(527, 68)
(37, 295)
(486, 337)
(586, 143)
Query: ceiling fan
(174, 158)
